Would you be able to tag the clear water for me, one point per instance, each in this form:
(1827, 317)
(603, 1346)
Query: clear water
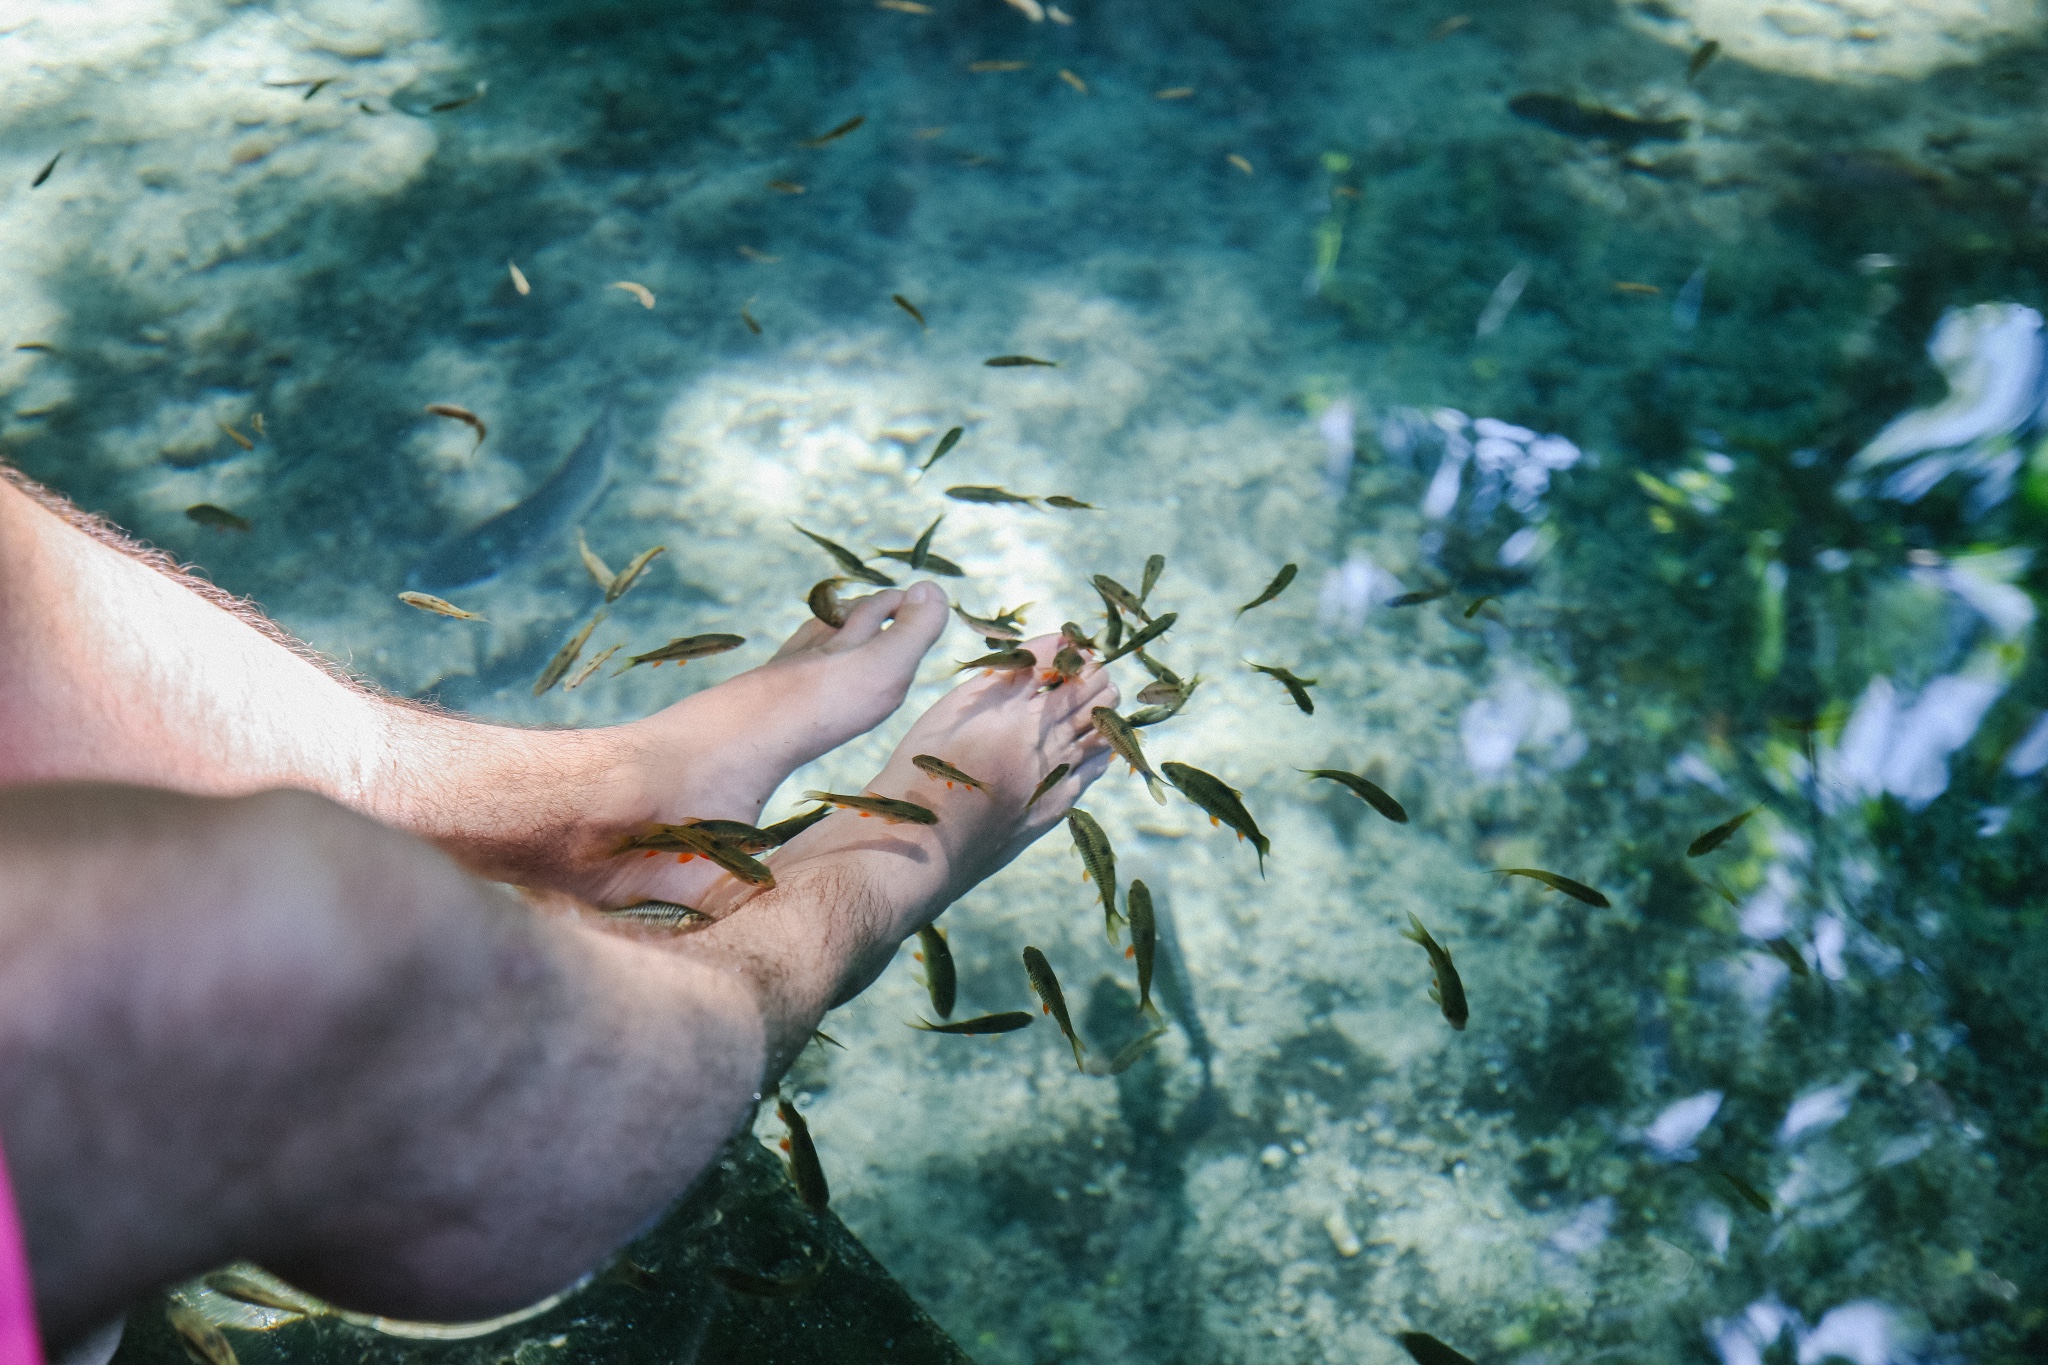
(1279, 304)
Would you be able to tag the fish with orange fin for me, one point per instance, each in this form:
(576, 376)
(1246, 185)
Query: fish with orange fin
(945, 772)
(888, 808)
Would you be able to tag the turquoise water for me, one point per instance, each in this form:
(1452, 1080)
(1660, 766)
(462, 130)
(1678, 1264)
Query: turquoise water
(1338, 305)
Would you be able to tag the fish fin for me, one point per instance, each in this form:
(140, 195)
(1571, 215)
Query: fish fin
(1158, 792)
(1131, 951)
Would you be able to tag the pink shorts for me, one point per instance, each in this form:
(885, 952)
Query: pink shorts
(19, 1344)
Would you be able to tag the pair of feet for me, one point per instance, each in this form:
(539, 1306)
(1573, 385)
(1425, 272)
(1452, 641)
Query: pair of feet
(721, 753)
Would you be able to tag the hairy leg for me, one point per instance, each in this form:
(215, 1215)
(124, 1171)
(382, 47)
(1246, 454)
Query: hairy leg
(118, 667)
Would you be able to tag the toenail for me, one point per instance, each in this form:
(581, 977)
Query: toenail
(923, 593)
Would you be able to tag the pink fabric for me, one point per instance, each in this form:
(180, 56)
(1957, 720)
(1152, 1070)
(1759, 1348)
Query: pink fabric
(19, 1344)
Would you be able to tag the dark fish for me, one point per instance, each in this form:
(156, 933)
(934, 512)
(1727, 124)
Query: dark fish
(1220, 801)
(823, 600)
(1047, 987)
(1477, 603)
(1574, 118)
(940, 978)
(630, 575)
(923, 547)
(785, 187)
(1112, 621)
(1007, 1022)
(1011, 362)
(841, 131)
(891, 810)
(782, 831)
(1124, 740)
(1127, 1056)
(1066, 666)
(946, 772)
(1002, 626)
(747, 317)
(849, 561)
(825, 1039)
(463, 415)
(1369, 792)
(682, 649)
(1003, 661)
(1427, 1350)
(766, 1286)
(1047, 783)
(540, 520)
(907, 306)
(216, 518)
(1099, 860)
(734, 834)
(688, 841)
(1749, 1192)
(1155, 565)
(1297, 688)
(565, 657)
(1448, 991)
(1067, 504)
(933, 563)
(44, 173)
(1176, 988)
(1158, 627)
(1116, 593)
(659, 914)
(1701, 55)
(804, 1168)
(1144, 940)
(945, 445)
(1273, 589)
(317, 86)
(1578, 891)
(1785, 952)
(967, 492)
(1416, 599)
(1719, 834)
(1073, 635)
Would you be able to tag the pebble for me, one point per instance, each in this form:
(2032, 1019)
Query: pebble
(1341, 1236)
(1274, 1157)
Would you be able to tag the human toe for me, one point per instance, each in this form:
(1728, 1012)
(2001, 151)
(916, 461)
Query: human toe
(920, 618)
(865, 617)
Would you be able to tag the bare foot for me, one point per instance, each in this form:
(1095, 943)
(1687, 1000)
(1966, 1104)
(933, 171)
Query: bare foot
(721, 753)
(1002, 731)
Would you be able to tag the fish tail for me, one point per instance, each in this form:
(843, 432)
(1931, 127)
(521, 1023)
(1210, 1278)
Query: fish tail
(1152, 785)
(1075, 1039)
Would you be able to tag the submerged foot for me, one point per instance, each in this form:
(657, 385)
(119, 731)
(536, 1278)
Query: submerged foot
(721, 753)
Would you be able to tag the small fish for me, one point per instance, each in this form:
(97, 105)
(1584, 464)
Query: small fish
(891, 810)
(1241, 163)
(1426, 1349)
(1174, 92)
(1701, 56)
(841, 131)
(1066, 666)
(583, 674)
(1634, 287)
(782, 831)
(630, 575)
(519, 284)
(1160, 694)
(638, 291)
(968, 492)
(1124, 740)
(1155, 565)
(1220, 802)
(1416, 599)
(1127, 1056)
(734, 834)
(1002, 661)
(1007, 1022)
(243, 1287)
(1477, 603)
(1574, 118)
(1112, 621)
(1578, 891)
(922, 550)
(565, 657)
(748, 319)
(746, 1282)
(978, 68)
(1158, 627)
(1144, 924)
(1071, 79)
(849, 561)
(941, 980)
(903, 6)
(237, 437)
(689, 841)
(1749, 1192)
(823, 600)
(1448, 991)
(44, 174)
(42, 346)
(1011, 362)
(823, 1038)
(659, 914)
(759, 256)
(945, 772)
(1078, 638)
(1047, 783)
(1719, 834)
(1116, 593)
(1047, 988)
(945, 445)
(1067, 504)
(202, 1340)
(1369, 792)
(785, 187)
(426, 601)
(804, 1168)
(256, 422)
(1273, 589)
(1297, 688)
(1003, 625)
(1784, 950)
(1449, 26)
(464, 416)
(907, 306)
(1099, 858)
(446, 105)
(216, 518)
(1030, 9)
(684, 648)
